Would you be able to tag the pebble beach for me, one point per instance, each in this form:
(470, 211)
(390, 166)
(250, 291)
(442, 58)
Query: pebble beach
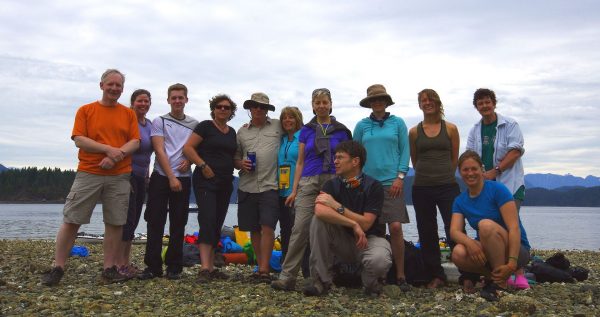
(82, 293)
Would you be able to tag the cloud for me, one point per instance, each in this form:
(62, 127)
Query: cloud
(540, 58)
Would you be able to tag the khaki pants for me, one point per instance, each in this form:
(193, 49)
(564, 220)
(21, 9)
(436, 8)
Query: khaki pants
(304, 206)
(327, 241)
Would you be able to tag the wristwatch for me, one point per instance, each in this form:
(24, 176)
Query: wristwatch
(340, 209)
(202, 166)
(401, 175)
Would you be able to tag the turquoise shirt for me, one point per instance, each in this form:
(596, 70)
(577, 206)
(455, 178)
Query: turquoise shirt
(388, 150)
(288, 155)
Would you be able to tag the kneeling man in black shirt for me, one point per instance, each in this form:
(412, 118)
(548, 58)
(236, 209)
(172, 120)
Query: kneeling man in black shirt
(345, 224)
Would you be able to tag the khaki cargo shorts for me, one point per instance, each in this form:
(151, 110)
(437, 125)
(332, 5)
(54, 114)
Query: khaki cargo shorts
(89, 189)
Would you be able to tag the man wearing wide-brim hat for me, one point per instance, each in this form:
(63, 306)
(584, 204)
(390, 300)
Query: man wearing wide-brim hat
(258, 200)
(386, 135)
(258, 99)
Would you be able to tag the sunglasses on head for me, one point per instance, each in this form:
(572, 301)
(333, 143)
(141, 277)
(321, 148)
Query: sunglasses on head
(319, 91)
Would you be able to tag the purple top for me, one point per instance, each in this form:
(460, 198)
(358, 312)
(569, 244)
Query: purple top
(140, 160)
(313, 163)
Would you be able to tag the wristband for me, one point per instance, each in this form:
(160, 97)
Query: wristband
(498, 170)
(514, 258)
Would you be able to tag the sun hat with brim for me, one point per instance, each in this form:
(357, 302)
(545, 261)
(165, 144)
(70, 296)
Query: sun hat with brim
(376, 91)
(260, 99)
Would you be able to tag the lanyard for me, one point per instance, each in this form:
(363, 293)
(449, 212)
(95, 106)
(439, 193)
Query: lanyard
(287, 147)
(323, 129)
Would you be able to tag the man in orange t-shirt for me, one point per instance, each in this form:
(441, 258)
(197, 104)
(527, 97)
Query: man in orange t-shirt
(106, 133)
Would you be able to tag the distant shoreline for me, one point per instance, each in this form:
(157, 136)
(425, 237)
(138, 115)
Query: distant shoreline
(194, 209)
(40, 202)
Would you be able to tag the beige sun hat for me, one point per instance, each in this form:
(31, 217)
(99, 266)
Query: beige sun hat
(260, 99)
(376, 91)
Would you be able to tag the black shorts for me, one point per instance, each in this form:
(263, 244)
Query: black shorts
(256, 209)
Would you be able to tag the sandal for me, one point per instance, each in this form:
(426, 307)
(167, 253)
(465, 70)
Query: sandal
(436, 283)
(468, 287)
(491, 291)
(259, 278)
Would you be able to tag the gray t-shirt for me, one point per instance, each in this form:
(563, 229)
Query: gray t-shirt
(265, 142)
(176, 133)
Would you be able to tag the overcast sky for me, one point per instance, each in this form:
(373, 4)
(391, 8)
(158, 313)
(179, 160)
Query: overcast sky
(541, 58)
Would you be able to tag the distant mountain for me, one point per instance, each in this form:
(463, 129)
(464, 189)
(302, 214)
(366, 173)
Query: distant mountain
(2, 168)
(563, 196)
(553, 181)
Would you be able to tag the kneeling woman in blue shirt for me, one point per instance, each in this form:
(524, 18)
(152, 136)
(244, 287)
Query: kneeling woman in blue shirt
(501, 245)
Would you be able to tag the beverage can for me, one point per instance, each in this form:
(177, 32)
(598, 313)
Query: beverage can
(252, 158)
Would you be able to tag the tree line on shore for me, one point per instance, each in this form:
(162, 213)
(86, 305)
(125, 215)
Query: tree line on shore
(36, 185)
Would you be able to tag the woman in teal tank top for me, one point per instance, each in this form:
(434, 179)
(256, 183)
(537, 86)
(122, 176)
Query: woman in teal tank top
(434, 147)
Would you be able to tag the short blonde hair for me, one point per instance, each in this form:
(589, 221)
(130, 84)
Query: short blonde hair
(293, 112)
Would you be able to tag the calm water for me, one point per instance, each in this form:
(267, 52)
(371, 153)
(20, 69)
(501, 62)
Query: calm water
(547, 227)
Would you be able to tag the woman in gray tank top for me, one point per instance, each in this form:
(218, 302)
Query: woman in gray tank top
(434, 147)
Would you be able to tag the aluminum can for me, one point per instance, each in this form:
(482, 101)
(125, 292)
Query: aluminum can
(252, 158)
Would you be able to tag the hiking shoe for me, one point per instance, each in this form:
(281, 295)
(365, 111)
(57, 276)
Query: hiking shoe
(315, 288)
(52, 277)
(147, 274)
(219, 275)
(403, 285)
(204, 276)
(374, 290)
(112, 275)
(173, 275)
(284, 285)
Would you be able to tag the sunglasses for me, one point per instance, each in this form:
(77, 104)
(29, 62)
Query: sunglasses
(263, 107)
(320, 91)
(222, 107)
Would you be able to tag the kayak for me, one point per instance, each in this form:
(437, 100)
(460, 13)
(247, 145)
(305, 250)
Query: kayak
(82, 237)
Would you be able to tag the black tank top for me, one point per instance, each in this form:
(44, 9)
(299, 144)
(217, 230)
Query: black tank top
(434, 158)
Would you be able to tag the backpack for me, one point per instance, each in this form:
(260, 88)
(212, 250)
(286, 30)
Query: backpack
(414, 266)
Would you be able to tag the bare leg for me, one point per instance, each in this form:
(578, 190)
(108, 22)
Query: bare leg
(460, 257)
(397, 243)
(206, 256)
(127, 252)
(494, 240)
(112, 237)
(64, 242)
(266, 246)
(255, 238)
(124, 253)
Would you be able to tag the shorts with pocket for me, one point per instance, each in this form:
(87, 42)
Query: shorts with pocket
(88, 189)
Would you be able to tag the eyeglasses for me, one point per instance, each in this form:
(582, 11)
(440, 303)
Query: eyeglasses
(320, 91)
(222, 107)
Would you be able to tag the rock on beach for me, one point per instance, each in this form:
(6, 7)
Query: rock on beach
(81, 292)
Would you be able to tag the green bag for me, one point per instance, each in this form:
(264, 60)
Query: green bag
(249, 250)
